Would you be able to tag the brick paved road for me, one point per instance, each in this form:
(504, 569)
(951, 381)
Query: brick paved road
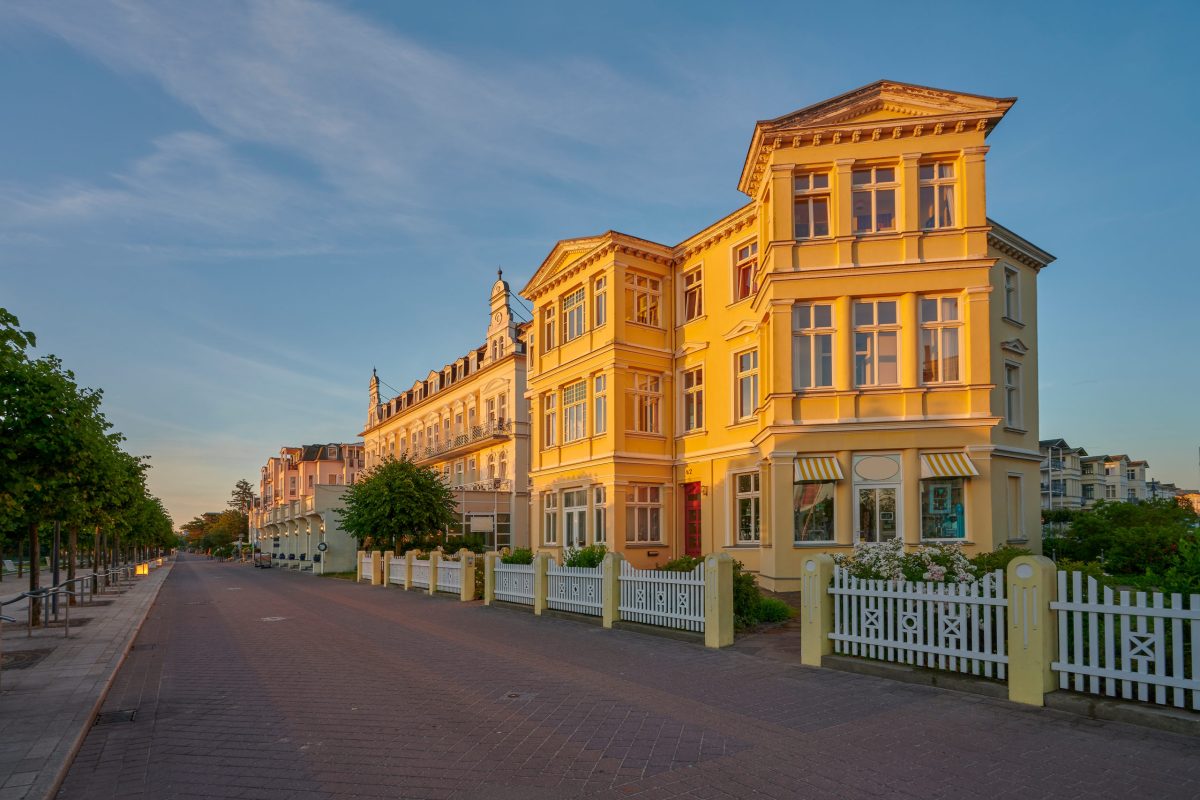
(371, 692)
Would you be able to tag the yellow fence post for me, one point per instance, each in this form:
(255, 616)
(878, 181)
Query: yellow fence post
(408, 559)
(434, 559)
(610, 588)
(816, 609)
(1032, 587)
(358, 565)
(387, 567)
(489, 577)
(718, 600)
(467, 592)
(541, 562)
(376, 568)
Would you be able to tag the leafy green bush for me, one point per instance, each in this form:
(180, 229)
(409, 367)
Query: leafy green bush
(522, 555)
(422, 556)
(1184, 574)
(590, 556)
(997, 559)
(1127, 538)
(772, 609)
(682, 564)
(1090, 569)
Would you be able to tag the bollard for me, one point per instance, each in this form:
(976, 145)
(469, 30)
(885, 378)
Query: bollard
(610, 588)
(467, 592)
(1031, 633)
(376, 568)
(541, 563)
(408, 562)
(718, 600)
(816, 609)
(489, 577)
(435, 559)
(358, 557)
(388, 555)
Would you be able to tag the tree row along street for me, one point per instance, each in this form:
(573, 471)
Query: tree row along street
(263, 684)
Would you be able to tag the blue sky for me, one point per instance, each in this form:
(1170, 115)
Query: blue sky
(225, 214)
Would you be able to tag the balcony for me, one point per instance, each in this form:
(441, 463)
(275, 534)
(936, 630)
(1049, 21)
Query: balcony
(493, 485)
(476, 437)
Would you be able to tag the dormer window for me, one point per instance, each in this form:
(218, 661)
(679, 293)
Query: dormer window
(332, 450)
(812, 205)
(874, 199)
(937, 195)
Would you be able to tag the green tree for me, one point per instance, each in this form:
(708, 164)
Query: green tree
(1127, 538)
(242, 496)
(397, 505)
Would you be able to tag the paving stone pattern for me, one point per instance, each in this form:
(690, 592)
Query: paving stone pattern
(362, 691)
(45, 707)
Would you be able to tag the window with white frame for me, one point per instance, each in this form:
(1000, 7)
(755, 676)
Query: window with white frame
(745, 262)
(643, 514)
(941, 339)
(599, 515)
(746, 507)
(1012, 394)
(574, 411)
(693, 294)
(644, 403)
(549, 420)
(491, 466)
(942, 508)
(549, 337)
(873, 199)
(1110, 492)
(600, 397)
(502, 406)
(643, 298)
(812, 346)
(600, 300)
(458, 473)
(936, 194)
(812, 205)
(1012, 294)
(876, 343)
(550, 518)
(574, 518)
(746, 382)
(693, 399)
(503, 464)
(573, 321)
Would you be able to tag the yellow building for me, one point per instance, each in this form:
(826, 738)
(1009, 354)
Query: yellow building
(851, 356)
(468, 421)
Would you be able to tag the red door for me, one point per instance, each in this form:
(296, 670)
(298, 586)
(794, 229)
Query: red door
(691, 518)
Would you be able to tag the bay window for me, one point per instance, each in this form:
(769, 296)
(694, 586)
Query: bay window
(812, 346)
(876, 343)
(941, 339)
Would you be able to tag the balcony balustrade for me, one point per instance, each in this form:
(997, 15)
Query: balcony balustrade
(476, 436)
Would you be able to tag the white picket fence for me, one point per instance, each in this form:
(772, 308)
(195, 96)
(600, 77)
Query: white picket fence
(957, 627)
(367, 562)
(576, 589)
(396, 570)
(1108, 645)
(420, 574)
(449, 576)
(667, 599)
(514, 583)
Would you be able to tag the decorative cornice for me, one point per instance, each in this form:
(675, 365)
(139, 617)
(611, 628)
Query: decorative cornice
(1016, 247)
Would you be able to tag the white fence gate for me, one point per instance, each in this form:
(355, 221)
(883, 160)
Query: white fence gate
(449, 576)
(668, 599)
(957, 627)
(576, 589)
(420, 578)
(396, 569)
(366, 571)
(514, 583)
(1108, 645)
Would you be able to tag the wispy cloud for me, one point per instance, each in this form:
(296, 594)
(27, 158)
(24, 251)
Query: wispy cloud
(390, 129)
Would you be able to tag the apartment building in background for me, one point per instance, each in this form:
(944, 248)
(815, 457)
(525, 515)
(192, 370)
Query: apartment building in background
(1062, 474)
(294, 517)
(470, 422)
(849, 357)
(1113, 478)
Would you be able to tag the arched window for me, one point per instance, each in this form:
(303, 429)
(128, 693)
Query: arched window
(503, 465)
(491, 466)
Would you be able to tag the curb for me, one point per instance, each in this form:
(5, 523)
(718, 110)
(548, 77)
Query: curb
(65, 767)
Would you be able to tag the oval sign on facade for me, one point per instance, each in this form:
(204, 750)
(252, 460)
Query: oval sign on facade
(876, 468)
(322, 547)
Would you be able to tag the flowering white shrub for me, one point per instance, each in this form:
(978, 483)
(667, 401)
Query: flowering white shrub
(938, 563)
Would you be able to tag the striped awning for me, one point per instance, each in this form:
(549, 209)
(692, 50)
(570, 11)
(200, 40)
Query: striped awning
(947, 465)
(817, 468)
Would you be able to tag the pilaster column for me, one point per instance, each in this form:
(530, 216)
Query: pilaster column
(910, 205)
(842, 211)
